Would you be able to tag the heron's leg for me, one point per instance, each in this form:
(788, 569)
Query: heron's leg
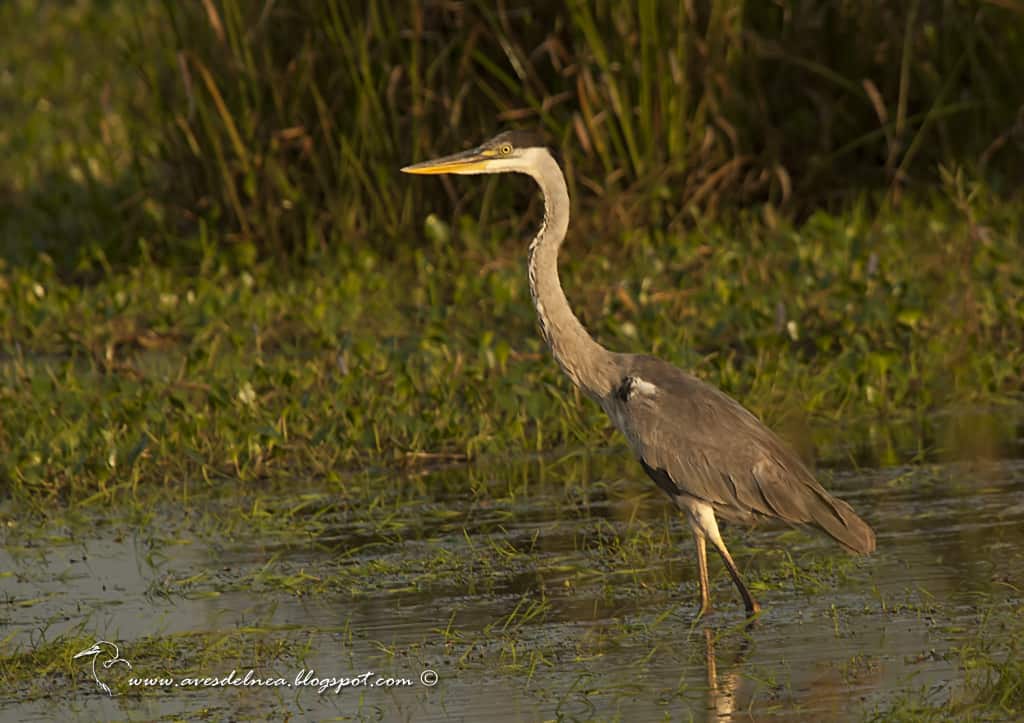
(702, 570)
(749, 602)
(704, 525)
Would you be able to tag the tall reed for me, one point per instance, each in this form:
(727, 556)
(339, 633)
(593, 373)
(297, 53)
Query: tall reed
(285, 122)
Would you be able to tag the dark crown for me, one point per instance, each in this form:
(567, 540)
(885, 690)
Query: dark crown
(518, 139)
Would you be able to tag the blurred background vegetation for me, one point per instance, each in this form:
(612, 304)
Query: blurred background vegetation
(280, 126)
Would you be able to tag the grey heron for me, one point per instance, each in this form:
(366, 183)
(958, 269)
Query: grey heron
(706, 451)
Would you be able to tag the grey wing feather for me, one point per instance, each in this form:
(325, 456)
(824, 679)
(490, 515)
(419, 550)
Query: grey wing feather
(692, 438)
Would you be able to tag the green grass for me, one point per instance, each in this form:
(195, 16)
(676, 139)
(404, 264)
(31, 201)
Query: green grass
(70, 132)
(155, 375)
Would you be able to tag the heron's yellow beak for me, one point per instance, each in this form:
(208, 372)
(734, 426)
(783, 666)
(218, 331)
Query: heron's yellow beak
(470, 161)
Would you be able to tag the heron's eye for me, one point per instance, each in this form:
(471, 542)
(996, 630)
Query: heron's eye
(505, 149)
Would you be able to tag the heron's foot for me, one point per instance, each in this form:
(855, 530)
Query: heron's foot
(753, 607)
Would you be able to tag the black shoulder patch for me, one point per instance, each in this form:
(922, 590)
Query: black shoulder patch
(623, 391)
(662, 479)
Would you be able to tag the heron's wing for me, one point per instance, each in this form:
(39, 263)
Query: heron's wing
(694, 439)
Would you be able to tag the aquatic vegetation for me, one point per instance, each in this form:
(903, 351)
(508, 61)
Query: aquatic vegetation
(163, 376)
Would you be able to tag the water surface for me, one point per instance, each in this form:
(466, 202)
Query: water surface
(544, 588)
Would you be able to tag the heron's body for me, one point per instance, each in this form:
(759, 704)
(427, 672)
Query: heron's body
(708, 453)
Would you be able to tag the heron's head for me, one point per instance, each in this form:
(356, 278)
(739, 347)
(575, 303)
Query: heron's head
(95, 649)
(98, 647)
(511, 151)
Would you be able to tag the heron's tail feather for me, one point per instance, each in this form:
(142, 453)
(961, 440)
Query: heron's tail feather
(792, 493)
(841, 523)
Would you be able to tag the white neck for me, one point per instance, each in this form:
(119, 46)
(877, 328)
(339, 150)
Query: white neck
(587, 363)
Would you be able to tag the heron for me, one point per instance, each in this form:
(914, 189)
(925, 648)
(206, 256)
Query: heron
(113, 654)
(711, 455)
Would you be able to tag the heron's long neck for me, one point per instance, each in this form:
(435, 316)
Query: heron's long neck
(587, 363)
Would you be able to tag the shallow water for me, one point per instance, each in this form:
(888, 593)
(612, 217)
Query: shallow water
(535, 590)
